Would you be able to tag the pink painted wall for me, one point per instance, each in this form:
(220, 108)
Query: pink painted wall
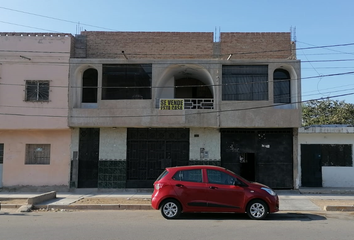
(17, 173)
(43, 58)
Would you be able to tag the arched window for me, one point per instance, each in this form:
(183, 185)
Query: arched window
(281, 80)
(89, 86)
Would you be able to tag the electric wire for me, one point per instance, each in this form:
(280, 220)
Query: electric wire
(175, 115)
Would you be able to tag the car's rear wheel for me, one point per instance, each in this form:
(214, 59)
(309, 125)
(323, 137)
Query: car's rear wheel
(257, 209)
(170, 209)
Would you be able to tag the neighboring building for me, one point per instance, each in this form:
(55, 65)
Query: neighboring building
(34, 134)
(236, 104)
(326, 156)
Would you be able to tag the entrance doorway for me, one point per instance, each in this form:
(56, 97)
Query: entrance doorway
(88, 157)
(247, 166)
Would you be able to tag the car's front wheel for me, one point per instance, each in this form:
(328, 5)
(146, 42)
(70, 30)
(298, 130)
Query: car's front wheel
(170, 209)
(257, 209)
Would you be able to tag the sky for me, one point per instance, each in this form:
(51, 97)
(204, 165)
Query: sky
(323, 29)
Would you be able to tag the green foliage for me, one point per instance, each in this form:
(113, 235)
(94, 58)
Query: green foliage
(327, 111)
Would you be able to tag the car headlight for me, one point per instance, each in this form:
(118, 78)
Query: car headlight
(268, 190)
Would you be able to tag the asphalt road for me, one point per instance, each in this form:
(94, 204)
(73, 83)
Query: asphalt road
(138, 224)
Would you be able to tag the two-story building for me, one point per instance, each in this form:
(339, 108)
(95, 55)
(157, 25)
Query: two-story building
(34, 134)
(143, 101)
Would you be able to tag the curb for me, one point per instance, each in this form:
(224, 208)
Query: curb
(11, 206)
(339, 208)
(96, 207)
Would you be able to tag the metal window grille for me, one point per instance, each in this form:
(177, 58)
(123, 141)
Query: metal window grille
(244, 82)
(37, 91)
(37, 154)
(1, 153)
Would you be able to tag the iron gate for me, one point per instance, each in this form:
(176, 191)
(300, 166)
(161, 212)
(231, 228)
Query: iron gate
(88, 157)
(271, 149)
(150, 151)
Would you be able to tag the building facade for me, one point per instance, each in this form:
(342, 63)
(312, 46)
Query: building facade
(34, 133)
(326, 156)
(143, 101)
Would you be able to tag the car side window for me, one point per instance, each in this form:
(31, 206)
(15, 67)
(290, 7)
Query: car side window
(189, 175)
(218, 177)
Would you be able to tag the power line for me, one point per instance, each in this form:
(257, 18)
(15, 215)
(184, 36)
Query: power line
(53, 18)
(179, 115)
(27, 26)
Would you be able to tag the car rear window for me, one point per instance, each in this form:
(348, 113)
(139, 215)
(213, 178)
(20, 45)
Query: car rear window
(162, 175)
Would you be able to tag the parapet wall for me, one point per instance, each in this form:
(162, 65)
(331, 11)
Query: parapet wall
(187, 45)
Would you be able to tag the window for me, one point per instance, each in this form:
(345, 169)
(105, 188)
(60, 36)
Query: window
(89, 86)
(219, 177)
(37, 91)
(1, 153)
(244, 83)
(126, 81)
(189, 175)
(281, 79)
(336, 155)
(37, 154)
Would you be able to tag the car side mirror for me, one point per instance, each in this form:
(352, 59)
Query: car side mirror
(239, 183)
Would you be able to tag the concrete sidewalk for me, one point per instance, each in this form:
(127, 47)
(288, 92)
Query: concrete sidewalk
(290, 200)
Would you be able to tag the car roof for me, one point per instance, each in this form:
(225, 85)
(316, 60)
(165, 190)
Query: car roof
(189, 167)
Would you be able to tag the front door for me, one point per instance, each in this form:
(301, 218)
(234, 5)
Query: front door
(311, 165)
(247, 166)
(88, 157)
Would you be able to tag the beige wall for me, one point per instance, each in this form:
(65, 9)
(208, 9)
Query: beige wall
(34, 56)
(16, 173)
(43, 58)
(143, 113)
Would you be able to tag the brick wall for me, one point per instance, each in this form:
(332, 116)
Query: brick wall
(264, 45)
(187, 45)
(149, 45)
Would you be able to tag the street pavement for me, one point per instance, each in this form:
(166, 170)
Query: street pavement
(290, 200)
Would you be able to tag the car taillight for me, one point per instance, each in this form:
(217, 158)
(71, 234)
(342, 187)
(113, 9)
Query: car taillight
(158, 186)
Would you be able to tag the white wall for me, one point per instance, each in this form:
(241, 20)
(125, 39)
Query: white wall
(331, 176)
(207, 138)
(113, 143)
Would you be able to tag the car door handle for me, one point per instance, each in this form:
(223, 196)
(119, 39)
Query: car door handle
(212, 187)
(179, 185)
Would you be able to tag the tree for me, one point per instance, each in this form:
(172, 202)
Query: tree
(327, 111)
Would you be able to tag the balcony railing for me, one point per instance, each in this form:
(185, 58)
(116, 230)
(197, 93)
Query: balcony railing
(194, 103)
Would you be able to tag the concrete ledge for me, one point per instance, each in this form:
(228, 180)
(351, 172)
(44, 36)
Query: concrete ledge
(339, 208)
(41, 198)
(96, 207)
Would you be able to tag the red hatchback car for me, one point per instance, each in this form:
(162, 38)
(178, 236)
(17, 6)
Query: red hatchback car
(210, 189)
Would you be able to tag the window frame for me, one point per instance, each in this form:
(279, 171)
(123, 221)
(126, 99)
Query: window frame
(37, 154)
(37, 93)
